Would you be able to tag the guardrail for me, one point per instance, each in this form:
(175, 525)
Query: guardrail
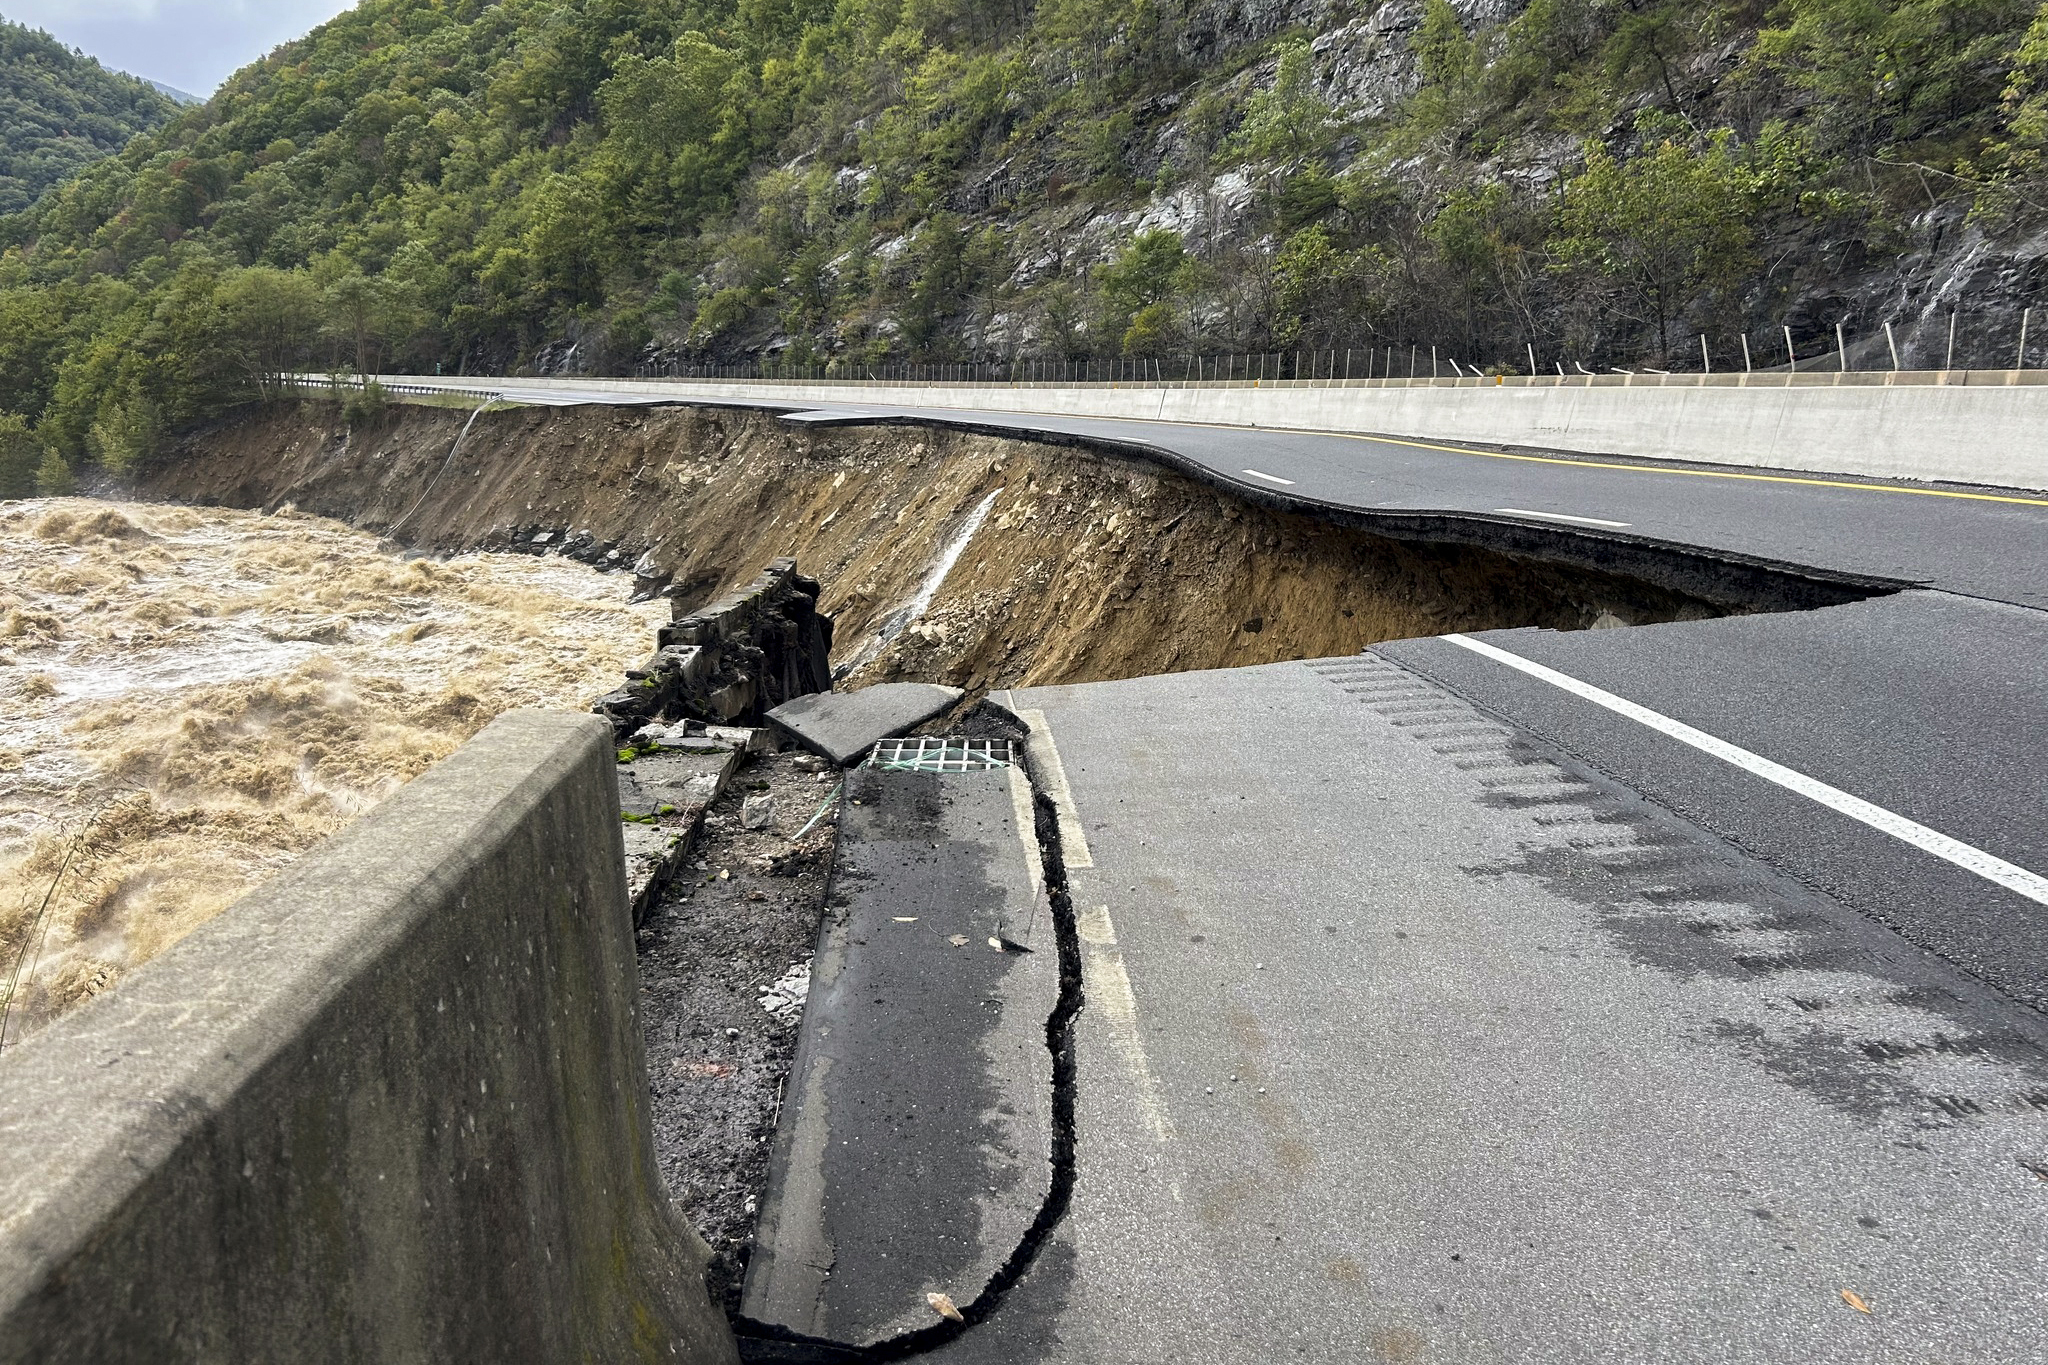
(320, 383)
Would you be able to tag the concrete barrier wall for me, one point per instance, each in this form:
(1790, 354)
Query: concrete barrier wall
(1985, 433)
(389, 1107)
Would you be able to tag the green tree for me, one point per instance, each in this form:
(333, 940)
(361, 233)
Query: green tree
(125, 434)
(1448, 61)
(1289, 121)
(938, 288)
(53, 477)
(1444, 53)
(369, 315)
(1890, 71)
(1667, 225)
(275, 316)
(1649, 39)
(1138, 289)
(21, 455)
(1326, 294)
(2015, 151)
(673, 123)
(1487, 244)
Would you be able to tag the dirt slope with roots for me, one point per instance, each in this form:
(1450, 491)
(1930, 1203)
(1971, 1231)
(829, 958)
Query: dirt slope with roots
(1086, 566)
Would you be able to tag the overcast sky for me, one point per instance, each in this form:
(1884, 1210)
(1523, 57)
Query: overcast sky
(191, 44)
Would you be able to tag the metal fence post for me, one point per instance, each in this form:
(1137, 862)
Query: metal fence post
(1893, 343)
(1747, 367)
(1792, 354)
(1841, 351)
(1706, 360)
(1950, 363)
(2020, 361)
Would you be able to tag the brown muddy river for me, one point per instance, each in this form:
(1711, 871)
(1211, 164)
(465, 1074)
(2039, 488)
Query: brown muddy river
(190, 697)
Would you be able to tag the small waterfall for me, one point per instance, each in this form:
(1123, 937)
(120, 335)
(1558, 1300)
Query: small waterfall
(452, 450)
(935, 578)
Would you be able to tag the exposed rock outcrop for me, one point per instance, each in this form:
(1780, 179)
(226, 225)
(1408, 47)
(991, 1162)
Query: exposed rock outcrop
(743, 655)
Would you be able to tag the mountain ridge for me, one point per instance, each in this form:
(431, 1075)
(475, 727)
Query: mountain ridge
(596, 185)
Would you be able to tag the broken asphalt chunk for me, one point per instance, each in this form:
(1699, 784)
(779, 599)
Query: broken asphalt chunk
(843, 726)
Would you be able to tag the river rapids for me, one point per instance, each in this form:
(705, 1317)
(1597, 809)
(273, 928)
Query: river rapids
(193, 696)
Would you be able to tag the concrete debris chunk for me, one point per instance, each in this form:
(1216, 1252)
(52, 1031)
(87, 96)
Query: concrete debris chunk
(785, 999)
(729, 661)
(756, 740)
(843, 726)
(662, 798)
(758, 812)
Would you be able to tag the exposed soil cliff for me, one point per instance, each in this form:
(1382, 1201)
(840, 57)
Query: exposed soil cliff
(1082, 567)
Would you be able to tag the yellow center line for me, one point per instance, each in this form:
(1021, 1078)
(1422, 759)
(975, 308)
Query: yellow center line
(1633, 468)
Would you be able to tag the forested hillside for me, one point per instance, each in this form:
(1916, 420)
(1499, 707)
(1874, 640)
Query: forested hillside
(60, 111)
(604, 185)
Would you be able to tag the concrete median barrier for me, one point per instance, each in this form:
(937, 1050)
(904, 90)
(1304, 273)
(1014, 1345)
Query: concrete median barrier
(391, 1106)
(1977, 427)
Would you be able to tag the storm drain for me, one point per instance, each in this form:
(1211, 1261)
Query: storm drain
(927, 754)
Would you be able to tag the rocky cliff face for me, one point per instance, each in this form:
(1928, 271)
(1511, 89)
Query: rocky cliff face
(1954, 284)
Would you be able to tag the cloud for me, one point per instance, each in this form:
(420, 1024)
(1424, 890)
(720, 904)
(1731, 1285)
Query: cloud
(191, 44)
(44, 13)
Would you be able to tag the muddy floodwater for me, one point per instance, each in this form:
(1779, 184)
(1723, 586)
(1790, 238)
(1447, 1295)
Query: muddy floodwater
(193, 696)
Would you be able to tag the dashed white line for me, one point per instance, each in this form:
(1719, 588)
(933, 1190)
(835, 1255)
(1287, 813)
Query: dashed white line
(1966, 856)
(1271, 478)
(1560, 516)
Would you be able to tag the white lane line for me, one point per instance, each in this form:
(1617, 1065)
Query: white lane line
(1045, 756)
(1108, 987)
(1271, 478)
(1559, 516)
(1027, 834)
(1970, 858)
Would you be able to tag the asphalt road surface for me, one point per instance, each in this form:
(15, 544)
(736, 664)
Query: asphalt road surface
(1410, 1038)
(1670, 993)
(1980, 542)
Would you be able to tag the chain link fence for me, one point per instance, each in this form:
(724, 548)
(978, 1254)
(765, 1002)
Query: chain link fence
(1940, 348)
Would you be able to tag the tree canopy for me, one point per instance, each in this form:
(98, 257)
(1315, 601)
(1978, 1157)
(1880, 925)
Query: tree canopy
(61, 111)
(478, 184)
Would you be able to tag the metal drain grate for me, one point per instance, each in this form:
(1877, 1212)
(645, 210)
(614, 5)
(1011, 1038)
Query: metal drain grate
(926, 754)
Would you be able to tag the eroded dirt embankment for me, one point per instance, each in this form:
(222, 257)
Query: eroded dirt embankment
(1087, 566)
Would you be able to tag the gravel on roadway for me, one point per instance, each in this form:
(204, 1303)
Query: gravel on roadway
(741, 914)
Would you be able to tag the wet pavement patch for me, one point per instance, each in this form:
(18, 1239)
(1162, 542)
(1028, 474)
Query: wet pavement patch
(915, 1152)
